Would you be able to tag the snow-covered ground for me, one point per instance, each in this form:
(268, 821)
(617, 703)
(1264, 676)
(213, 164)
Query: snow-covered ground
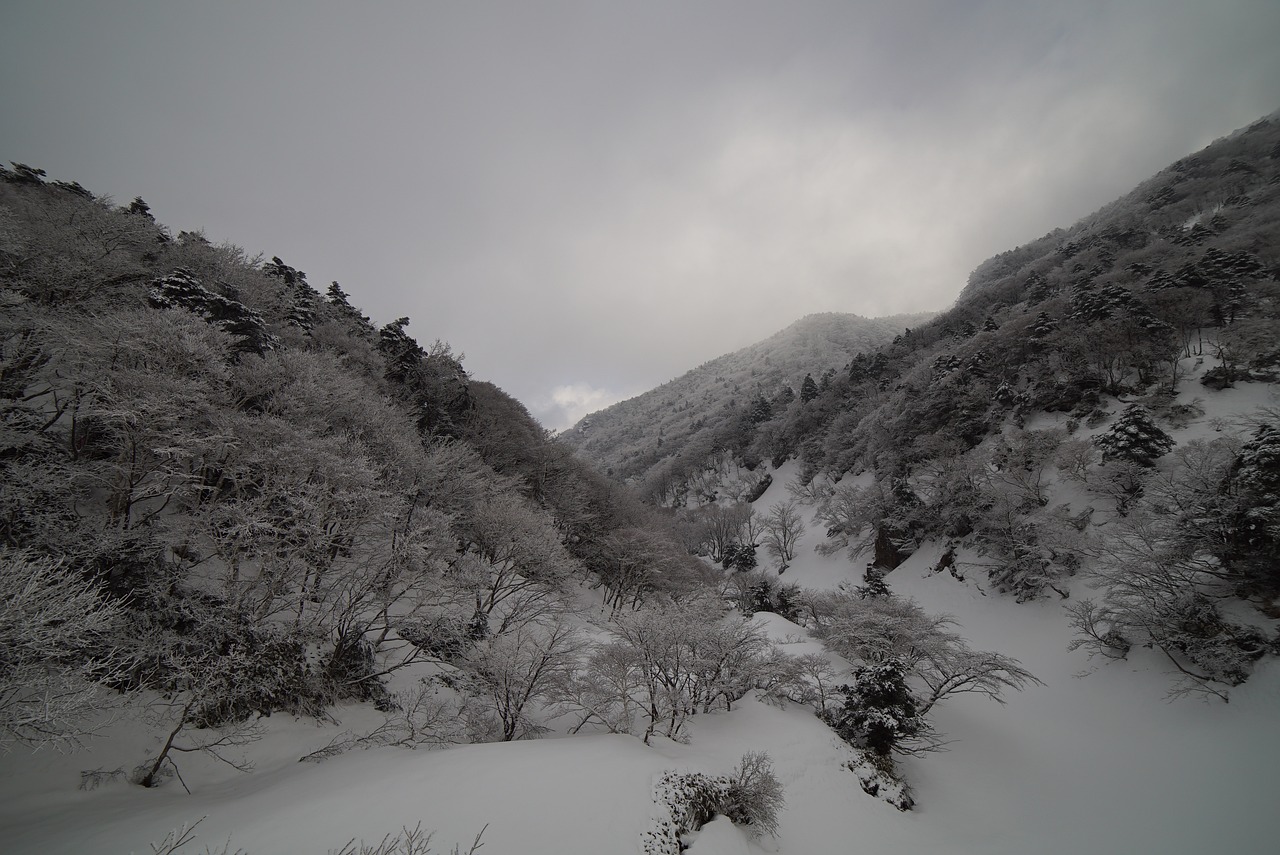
(1095, 760)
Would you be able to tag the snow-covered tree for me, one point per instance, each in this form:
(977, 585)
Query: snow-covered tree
(60, 641)
(722, 526)
(1134, 437)
(688, 657)
(1256, 478)
(515, 563)
(783, 528)
(882, 629)
(879, 712)
(808, 389)
(1158, 593)
(515, 671)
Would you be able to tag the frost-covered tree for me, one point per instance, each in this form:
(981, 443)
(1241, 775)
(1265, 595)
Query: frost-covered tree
(853, 516)
(514, 563)
(783, 528)
(1134, 437)
(1026, 548)
(722, 527)
(879, 712)
(808, 389)
(754, 796)
(687, 659)
(1255, 477)
(60, 641)
(884, 628)
(1162, 592)
(515, 671)
(630, 564)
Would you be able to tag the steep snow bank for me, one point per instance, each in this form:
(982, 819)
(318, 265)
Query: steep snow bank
(589, 795)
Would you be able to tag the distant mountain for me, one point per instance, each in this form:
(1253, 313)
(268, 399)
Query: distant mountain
(631, 438)
(1090, 356)
(1184, 266)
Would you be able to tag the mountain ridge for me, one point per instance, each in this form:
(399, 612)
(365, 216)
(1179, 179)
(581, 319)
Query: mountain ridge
(814, 343)
(1058, 323)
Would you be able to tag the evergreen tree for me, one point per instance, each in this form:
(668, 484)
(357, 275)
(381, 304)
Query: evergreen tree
(977, 366)
(75, 188)
(141, 208)
(358, 319)
(761, 410)
(403, 353)
(1037, 288)
(879, 709)
(180, 289)
(1042, 325)
(858, 368)
(22, 174)
(739, 556)
(1135, 438)
(808, 389)
(302, 313)
(1256, 476)
(876, 586)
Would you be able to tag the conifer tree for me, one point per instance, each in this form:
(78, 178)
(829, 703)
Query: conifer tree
(879, 709)
(1042, 325)
(761, 410)
(1135, 437)
(808, 389)
(304, 298)
(339, 301)
(181, 289)
(1256, 475)
(141, 208)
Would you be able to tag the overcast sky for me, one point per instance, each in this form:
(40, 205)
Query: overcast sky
(589, 198)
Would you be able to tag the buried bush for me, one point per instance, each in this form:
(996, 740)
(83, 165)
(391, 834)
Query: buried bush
(754, 795)
(751, 796)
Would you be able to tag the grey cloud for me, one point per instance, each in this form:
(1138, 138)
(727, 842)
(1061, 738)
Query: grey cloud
(595, 197)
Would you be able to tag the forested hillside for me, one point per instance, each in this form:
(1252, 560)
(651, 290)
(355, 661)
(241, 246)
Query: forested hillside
(223, 487)
(1185, 265)
(661, 438)
(1031, 428)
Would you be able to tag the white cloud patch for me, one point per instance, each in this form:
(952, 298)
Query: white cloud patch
(567, 404)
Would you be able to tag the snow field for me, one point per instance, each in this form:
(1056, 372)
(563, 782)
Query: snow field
(1093, 761)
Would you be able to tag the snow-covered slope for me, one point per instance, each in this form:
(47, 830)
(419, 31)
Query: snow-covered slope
(1094, 760)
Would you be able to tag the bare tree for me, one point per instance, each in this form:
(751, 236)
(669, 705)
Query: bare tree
(783, 528)
(515, 670)
(883, 629)
(722, 527)
(58, 638)
(961, 670)
(1160, 585)
(688, 658)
